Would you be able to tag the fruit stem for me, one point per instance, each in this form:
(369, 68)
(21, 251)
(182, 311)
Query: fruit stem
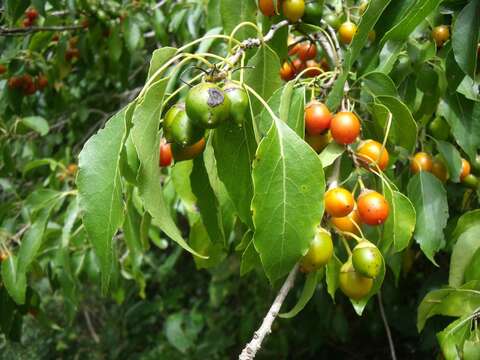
(387, 327)
(345, 244)
(357, 238)
(265, 328)
(333, 179)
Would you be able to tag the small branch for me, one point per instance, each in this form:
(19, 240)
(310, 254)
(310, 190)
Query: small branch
(333, 179)
(250, 350)
(33, 29)
(90, 327)
(387, 327)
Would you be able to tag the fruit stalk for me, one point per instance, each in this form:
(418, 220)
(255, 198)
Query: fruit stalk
(250, 350)
(387, 327)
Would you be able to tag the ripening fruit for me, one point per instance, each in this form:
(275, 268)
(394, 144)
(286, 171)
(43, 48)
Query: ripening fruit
(372, 208)
(15, 82)
(28, 85)
(318, 142)
(31, 14)
(439, 169)
(42, 82)
(238, 102)
(298, 66)
(347, 223)
(421, 161)
(440, 34)
(181, 153)
(345, 127)
(267, 7)
(346, 32)
(72, 169)
(317, 118)
(352, 284)
(287, 71)
(27, 23)
(466, 168)
(471, 181)
(367, 259)
(313, 68)
(307, 51)
(71, 54)
(165, 154)
(293, 9)
(319, 252)
(3, 69)
(207, 105)
(339, 202)
(182, 130)
(371, 152)
(3, 255)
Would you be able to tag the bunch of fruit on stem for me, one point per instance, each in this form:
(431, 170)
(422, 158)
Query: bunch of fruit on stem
(207, 106)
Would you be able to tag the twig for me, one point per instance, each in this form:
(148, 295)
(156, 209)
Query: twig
(387, 328)
(90, 327)
(333, 179)
(32, 29)
(250, 350)
(251, 43)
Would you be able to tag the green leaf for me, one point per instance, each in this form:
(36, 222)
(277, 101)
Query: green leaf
(465, 37)
(115, 44)
(367, 22)
(471, 348)
(99, 164)
(430, 201)
(234, 12)
(146, 119)
(413, 17)
(288, 199)
(175, 333)
(451, 339)
(332, 273)
(15, 281)
(250, 257)
(399, 227)
(160, 57)
(32, 240)
(472, 271)
(377, 83)
(460, 113)
(452, 158)
(180, 176)
(15, 8)
(37, 123)
(234, 149)
(200, 241)
(403, 129)
(309, 287)
(389, 55)
(331, 153)
(207, 202)
(132, 32)
(463, 251)
(263, 77)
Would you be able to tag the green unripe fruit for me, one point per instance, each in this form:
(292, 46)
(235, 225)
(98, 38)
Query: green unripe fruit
(182, 131)
(352, 284)
(367, 259)
(471, 181)
(207, 105)
(168, 120)
(238, 102)
(319, 253)
(313, 11)
(439, 128)
(333, 20)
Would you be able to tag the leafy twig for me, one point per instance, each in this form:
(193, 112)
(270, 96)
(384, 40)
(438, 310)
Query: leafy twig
(255, 344)
(387, 327)
(33, 29)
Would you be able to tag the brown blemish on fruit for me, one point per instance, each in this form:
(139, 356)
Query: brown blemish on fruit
(215, 97)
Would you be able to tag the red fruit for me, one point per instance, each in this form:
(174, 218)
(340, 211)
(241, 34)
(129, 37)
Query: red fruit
(55, 38)
(165, 154)
(372, 208)
(26, 23)
(31, 14)
(3, 69)
(298, 65)
(466, 168)
(287, 71)
(42, 82)
(307, 51)
(28, 85)
(71, 54)
(345, 127)
(313, 68)
(317, 118)
(15, 82)
(267, 7)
